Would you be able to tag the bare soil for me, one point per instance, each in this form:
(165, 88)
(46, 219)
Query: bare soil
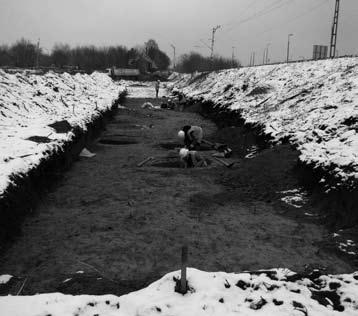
(124, 225)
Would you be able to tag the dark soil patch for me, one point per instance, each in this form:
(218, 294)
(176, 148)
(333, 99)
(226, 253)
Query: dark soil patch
(325, 297)
(61, 126)
(108, 141)
(137, 85)
(95, 284)
(39, 139)
(259, 90)
(193, 108)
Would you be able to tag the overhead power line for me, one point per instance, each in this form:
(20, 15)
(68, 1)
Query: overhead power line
(244, 10)
(278, 4)
(297, 17)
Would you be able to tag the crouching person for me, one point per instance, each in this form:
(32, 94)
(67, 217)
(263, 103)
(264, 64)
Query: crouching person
(192, 136)
(191, 159)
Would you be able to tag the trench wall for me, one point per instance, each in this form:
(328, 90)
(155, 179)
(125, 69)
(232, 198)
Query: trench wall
(21, 197)
(340, 206)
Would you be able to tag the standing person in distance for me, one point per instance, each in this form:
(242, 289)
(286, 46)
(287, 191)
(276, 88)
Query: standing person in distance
(157, 86)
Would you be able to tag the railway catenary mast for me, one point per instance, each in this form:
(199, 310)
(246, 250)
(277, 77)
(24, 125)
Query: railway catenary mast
(332, 47)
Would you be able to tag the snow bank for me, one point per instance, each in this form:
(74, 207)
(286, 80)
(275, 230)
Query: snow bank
(29, 103)
(312, 104)
(142, 89)
(274, 292)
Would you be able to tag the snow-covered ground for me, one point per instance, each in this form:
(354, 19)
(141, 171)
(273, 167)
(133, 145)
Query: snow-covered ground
(29, 103)
(313, 104)
(143, 89)
(274, 292)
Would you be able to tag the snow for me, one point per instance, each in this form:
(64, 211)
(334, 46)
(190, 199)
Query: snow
(274, 292)
(5, 278)
(252, 152)
(312, 104)
(29, 103)
(295, 197)
(145, 89)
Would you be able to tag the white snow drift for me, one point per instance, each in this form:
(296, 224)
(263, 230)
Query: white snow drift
(313, 104)
(29, 103)
(214, 294)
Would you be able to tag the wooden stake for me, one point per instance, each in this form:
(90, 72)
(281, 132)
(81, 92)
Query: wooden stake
(184, 262)
(142, 163)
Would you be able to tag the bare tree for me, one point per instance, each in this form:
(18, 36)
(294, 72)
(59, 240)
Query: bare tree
(23, 53)
(192, 62)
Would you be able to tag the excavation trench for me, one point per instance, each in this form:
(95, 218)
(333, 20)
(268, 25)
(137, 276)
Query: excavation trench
(124, 225)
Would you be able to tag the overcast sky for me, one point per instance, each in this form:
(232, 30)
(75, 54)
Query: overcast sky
(248, 25)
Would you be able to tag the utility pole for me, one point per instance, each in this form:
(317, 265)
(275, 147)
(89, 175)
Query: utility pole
(264, 57)
(253, 59)
(332, 48)
(173, 55)
(233, 56)
(267, 53)
(37, 53)
(213, 40)
(288, 47)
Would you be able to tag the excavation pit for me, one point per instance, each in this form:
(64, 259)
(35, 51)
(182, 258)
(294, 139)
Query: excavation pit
(168, 164)
(121, 135)
(126, 126)
(172, 146)
(107, 141)
(175, 164)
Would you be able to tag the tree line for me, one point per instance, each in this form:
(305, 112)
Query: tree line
(192, 62)
(26, 54)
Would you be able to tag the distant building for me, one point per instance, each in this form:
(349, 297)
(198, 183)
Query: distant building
(320, 52)
(144, 63)
(123, 73)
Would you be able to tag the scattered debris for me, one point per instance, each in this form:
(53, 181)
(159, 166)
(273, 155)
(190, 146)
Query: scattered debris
(225, 163)
(146, 160)
(150, 106)
(86, 153)
(295, 197)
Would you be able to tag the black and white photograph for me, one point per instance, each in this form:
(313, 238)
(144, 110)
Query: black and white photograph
(178, 158)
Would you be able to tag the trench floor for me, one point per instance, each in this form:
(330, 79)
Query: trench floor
(123, 226)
